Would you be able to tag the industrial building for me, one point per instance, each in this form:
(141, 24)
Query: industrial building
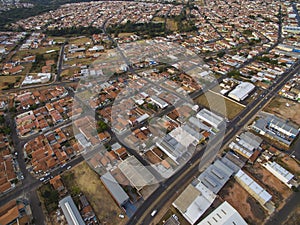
(138, 175)
(210, 118)
(225, 214)
(253, 188)
(70, 211)
(278, 171)
(276, 128)
(172, 148)
(216, 176)
(241, 91)
(114, 188)
(194, 201)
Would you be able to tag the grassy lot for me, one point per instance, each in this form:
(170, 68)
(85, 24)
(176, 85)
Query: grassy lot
(84, 178)
(42, 50)
(49, 197)
(6, 81)
(219, 104)
(171, 25)
(284, 108)
(80, 41)
(57, 39)
(122, 35)
(83, 61)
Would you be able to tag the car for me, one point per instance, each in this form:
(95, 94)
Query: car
(154, 212)
(121, 216)
(69, 167)
(42, 179)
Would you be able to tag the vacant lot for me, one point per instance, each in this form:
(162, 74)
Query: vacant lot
(289, 163)
(217, 103)
(279, 191)
(243, 202)
(284, 108)
(80, 41)
(6, 81)
(84, 178)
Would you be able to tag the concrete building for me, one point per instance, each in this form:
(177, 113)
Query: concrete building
(70, 211)
(254, 189)
(114, 189)
(210, 118)
(241, 91)
(225, 214)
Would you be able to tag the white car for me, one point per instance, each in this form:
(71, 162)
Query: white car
(69, 167)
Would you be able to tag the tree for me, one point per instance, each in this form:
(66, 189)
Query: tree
(102, 126)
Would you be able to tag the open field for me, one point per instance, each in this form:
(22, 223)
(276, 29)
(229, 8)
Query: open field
(243, 202)
(41, 50)
(122, 35)
(279, 191)
(80, 40)
(217, 103)
(284, 108)
(5, 81)
(84, 178)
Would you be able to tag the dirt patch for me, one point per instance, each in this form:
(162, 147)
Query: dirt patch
(218, 104)
(89, 183)
(284, 108)
(289, 163)
(243, 202)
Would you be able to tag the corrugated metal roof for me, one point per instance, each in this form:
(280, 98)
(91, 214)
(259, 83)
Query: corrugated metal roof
(114, 188)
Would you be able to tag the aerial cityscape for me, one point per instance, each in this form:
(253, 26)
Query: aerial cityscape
(149, 112)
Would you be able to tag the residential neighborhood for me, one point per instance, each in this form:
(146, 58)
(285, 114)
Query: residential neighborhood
(150, 112)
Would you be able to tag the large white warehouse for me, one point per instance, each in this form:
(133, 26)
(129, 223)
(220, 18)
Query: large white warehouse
(241, 91)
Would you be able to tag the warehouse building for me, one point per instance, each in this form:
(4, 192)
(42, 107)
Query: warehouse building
(241, 91)
(70, 211)
(225, 214)
(114, 189)
(216, 176)
(278, 171)
(210, 118)
(253, 188)
(194, 201)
